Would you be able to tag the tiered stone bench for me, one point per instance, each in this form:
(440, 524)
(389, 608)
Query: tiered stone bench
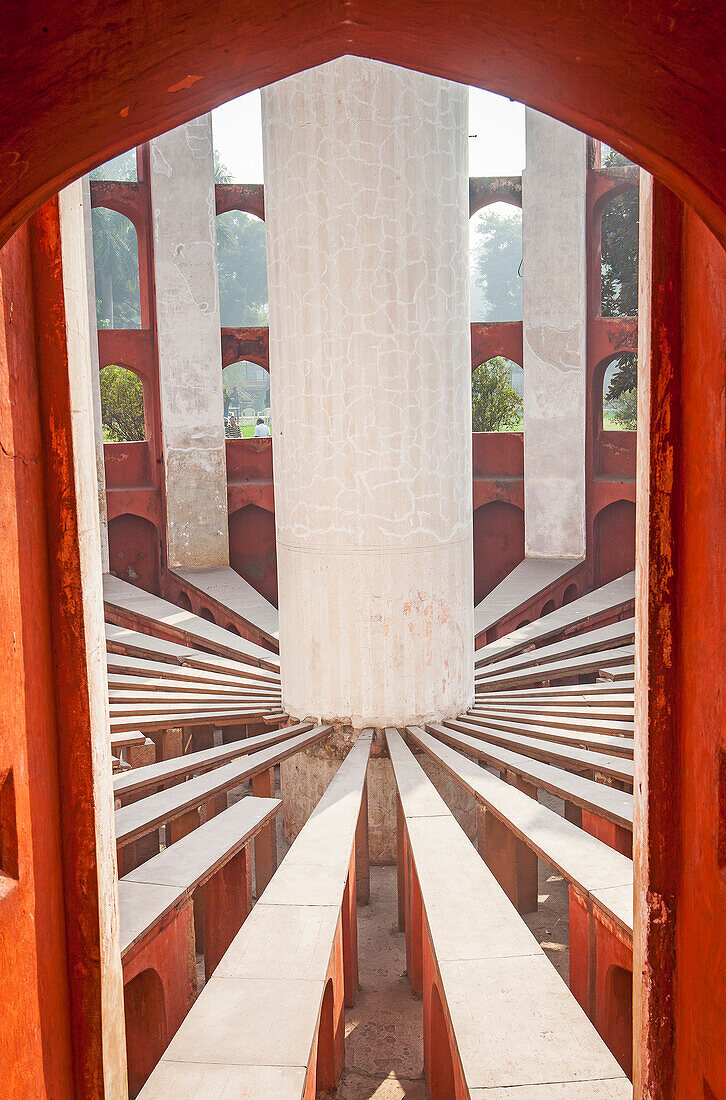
(573, 758)
(592, 641)
(157, 924)
(604, 811)
(228, 588)
(562, 669)
(561, 730)
(497, 1018)
(598, 720)
(174, 672)
(531, 576)
(614, 599)
(178, 807)
(127, 605)
(513, 828)
(270, 1022)
(165, 772)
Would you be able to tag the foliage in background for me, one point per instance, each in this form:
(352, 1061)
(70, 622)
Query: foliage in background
(496, 261)
(495, 404)
(116, 264)
(620, 400)
(242, 266)
(619, 280)
(122, 405)
(619, 270)
(241, 262)
(116, 254)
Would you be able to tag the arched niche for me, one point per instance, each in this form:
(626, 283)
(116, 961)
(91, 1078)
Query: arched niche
(548, 608)
(618, 392)
(122, 405)
(252, 549)
(495, 259)
(618, 222)
(242, 268)
(497, 388)
(571, 593)
(246, 395)
(614, 541)
(184, 602)
(134, 551)
(498, 544)
(116, 269)
(205, 613)
(146, 1038)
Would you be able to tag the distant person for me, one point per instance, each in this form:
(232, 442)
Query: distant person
(233, 431)
(261, 429)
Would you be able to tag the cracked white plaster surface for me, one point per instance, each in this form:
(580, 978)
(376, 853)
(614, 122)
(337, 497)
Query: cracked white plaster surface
(366, 200)
(190, 364)
(554, 329)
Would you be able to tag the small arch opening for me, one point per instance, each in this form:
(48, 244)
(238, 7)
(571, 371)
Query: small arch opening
(145, 1011)
(614, 541)
(184, 602)
(498, 544)
(205, 613)
(497, 388)
(246, 396)
(495, 266)
(116, 269)
(242, 267)
(620, 393)
(619, 254)
(325, 1075)
(232, 629)
(620, 1024)
(570, 594)
(548, 608)
(122, 405)
(134, 551)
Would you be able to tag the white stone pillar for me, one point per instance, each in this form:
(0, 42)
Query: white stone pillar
(555, 330)
(366, 206)
(95, 375)
(190, 357)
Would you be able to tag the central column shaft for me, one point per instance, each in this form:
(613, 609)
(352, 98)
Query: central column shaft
(366, 205)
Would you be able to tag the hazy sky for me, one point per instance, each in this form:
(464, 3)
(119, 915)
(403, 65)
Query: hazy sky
(497, 148)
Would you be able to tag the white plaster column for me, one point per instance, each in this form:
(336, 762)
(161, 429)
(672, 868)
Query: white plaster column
(555, 333)
(366, 206)
(190, 357)
(80, 644)
(95, 375)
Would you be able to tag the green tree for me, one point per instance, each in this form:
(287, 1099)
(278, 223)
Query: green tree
(242, 266)
(115, 253)
(496, 261)
(621, 399)
(122, 405)
(116, 265)
(495, 404)
(619, 243)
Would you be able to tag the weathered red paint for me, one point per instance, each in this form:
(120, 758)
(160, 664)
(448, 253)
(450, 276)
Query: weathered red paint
(647, 77)
(35, 1037)
(498, 544)
(252, 548)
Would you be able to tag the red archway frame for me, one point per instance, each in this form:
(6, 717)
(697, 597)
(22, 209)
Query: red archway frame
(146, 68)
(649, 79)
